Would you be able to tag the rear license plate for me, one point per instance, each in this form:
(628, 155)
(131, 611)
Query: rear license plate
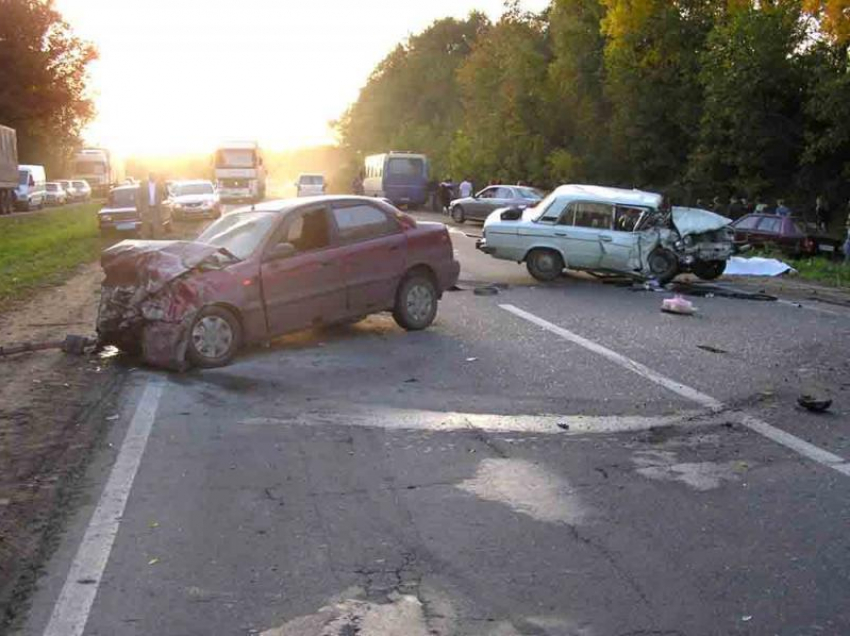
(125, 226)
(826, 248)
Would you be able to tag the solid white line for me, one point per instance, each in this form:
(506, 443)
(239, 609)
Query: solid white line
(756, 425)
(75, 601)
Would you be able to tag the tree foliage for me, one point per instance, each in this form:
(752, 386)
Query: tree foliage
(42, 80)
(696, 97)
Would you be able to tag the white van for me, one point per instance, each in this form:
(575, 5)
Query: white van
(310, 185)
(31, 191)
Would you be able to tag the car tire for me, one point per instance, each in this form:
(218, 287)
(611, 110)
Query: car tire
(663, 265)
(416, 302)
(544, 265)
(458, 214)
(709, 270)
(214, 338)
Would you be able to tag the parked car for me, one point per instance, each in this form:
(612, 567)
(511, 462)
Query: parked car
(82, 189)
(272, 269)
(68, 187)
(121, 212)
(790, 235)
(55, 194)
(196, 199)
(479, 206)
(600, 229)
(30, 193)
(310, 185)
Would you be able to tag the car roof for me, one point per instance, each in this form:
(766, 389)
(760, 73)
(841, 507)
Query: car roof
(191, 181)
(287, 205)
(608, 194)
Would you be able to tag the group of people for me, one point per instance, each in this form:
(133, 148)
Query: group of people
(738, 207)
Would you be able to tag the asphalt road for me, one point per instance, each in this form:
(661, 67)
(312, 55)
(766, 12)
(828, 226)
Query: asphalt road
(555, 459)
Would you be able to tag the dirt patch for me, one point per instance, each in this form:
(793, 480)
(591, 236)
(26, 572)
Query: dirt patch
(48, 426)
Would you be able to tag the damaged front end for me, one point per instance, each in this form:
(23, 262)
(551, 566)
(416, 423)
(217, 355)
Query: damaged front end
(150, 297)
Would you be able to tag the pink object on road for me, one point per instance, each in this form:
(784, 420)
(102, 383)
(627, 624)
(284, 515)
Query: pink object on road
(678, 305)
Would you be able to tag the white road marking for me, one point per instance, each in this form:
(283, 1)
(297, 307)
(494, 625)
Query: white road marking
(756, 425)
(78, 593)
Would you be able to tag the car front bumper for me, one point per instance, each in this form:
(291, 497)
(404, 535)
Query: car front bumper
(481, 245)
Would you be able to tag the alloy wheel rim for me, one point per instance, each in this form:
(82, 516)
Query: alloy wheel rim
(212, 336)
(420, 302)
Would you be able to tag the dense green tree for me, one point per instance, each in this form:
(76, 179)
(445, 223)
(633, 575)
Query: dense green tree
(411, 101)
(42, 81)
(751, 129)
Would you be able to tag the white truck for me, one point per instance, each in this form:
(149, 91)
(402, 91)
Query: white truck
(8, 169)
(98, 168)
(239, 171)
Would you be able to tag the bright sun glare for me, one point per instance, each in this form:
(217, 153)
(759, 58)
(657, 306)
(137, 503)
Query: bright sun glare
(178, 75)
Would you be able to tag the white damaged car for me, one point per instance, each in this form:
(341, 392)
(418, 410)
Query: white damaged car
(609, 230)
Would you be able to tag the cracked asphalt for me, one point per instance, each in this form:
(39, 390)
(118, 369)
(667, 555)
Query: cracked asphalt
(488, 477)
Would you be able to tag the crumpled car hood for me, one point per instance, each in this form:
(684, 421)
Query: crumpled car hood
(697, 221)
(152, 264)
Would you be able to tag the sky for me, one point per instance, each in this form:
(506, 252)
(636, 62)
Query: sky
(178, 76)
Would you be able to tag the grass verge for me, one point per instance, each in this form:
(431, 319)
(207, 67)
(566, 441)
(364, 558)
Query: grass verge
(817, 269)
(45, 248)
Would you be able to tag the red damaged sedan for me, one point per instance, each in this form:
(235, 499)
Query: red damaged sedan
(270, 270)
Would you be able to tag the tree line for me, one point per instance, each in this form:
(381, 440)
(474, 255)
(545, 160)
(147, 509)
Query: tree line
(43, 81)
(696, 98)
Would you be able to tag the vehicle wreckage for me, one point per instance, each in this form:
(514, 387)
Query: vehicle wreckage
(273, 269)
(610, 230)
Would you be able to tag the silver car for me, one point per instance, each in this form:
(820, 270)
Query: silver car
(479, 206)
(600, 229)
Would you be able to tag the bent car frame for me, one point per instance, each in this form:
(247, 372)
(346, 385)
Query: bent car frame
(269, 270)
(609, 230)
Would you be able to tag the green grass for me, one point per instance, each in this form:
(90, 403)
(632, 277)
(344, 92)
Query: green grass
(817, 269)
(45, 248)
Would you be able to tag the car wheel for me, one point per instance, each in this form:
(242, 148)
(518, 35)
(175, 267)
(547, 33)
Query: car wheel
(663, 265)
(458, 214)
(544, 265)
(416, 302)
(214, 338)
(709, 270)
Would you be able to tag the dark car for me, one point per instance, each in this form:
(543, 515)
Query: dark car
(790, 235)
(479, 206)
(120, 214)
(268, 270)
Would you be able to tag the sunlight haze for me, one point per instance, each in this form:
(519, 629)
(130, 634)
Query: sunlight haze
(178, 76)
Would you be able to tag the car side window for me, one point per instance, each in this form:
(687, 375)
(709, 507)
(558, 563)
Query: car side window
(308, 231)
(487, 193)
(770, 225)
(594, 215)
(504, 193)
(361, 222)
(626, 219)
(749, 223)
(555, 212)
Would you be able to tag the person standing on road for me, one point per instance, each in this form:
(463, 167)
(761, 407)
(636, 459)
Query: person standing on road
(465, 188)
(446, 195)
(150, 198)
(822, 214)
(847, 239)
(782, 209)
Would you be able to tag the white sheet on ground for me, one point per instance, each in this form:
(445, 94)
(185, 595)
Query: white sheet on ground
(739, 266)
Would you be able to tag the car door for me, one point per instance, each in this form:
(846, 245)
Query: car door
(620, 246)
(580, 229)
(306, 286)
(768, 231)
(479, 207)
(373, 255)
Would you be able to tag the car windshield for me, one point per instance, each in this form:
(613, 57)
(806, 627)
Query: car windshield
(192, 188)
(530, 193)
(235, 158)
(311, 179)
(22, 177)
(52, 187)
(89, 167)
(239, 233)
(79, 184)
(123, 198)
(406, 166)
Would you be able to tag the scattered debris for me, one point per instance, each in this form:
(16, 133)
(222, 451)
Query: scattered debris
(711, 349)
(410, 380)
(815, 404)
(153, 561)
(756, 266)
(112, 418)
(712, 290)
(489, 290)
(678, 305)
(472, 359)
(563, 426)
(72, 344)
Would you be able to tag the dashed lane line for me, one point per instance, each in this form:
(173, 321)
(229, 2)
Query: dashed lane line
(756, 425)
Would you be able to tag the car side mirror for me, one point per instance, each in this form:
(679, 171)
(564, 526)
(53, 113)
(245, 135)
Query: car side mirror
(279, 251)
(511, 214)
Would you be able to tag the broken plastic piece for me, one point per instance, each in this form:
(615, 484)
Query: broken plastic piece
(816, 404)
